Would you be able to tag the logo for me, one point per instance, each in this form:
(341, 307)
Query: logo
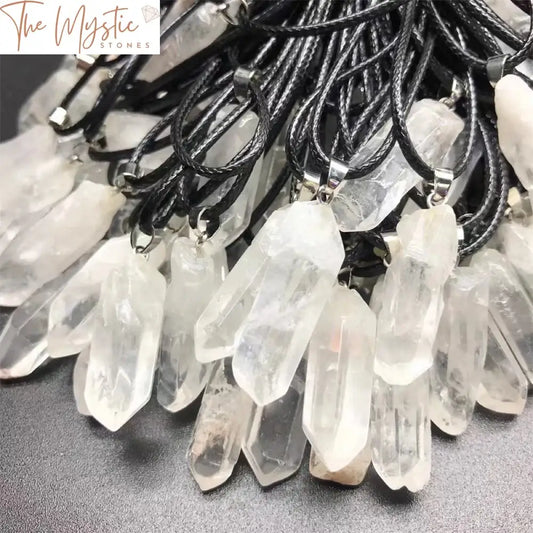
(78, 27)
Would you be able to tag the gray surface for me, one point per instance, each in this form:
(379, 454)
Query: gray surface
(60, 472)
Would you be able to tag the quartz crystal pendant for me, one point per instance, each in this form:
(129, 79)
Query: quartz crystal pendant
(401, 433)
(512, 14)
(267, 308)
(514, 106)
(125, 342)
(362, 204)
(41, 252)
(196, 272)
(219, 430)
(23, 343)
(79, 379)
(351, 475)
(237, 218)
(338, 387)
(509, 306)
(460, 350)
(274, 444)
(412, 294)
(503, 386)
(201, 28)
(72, 312)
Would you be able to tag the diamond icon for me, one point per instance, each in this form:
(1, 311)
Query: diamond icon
(150, 13)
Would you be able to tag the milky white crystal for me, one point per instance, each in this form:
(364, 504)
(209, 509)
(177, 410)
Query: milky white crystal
(513, 100)
(201, 28)
(512, 14)
(196, 272)
(125, 342)
(401, 433)
(460, 349)
(72, 311)
(412, 294)
(79, 378)
(362, 204)
(503, 386)
(509, 306)
(351, 475)
(23, 343)
(274, 443)
(42, 251)
(219, 429)
(340, 371)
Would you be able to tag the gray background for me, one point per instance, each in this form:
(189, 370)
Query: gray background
(60, 472)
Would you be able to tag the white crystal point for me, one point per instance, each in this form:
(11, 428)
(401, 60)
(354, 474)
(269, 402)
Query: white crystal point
(503, 386)
(340, 371)
(42, 140)
(412, 294)
(401, 433)
(362, 204)
(72, 311)
(79, 378)
(125, 342)
(512, 14)
(196, 272)
(42, 251)
(351, 475)
(509, 306)
(23, 343)
(517, 244)
(297, 275)
(513, 100)
(236, 219)
(219, 429)
(274, 444)
(196, 32)
(460, 350)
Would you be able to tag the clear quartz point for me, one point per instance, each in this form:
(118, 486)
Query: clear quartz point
(509, 306)
(268, 306)
(460, 350)
(351, 475)
(196, 272)
(79, 378)
(274, 444)
(340, 371)
(513, 100)
(23, 342)
(42, 251)
(412, 294)
(512, 14)
(401, 433)
(72, 311)
(362, 204)
(219, 430)
(125, 342)
(503, 386)
(200, 29)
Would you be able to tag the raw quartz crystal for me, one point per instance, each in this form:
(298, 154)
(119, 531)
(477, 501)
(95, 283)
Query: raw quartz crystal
(340, 371)
(219, 429)
(274, 443)
(125, 342)
(362, 204)
(79, 378)
(412, 294)
(23, 342)
(196, 272)
(351, 475)
(197, 31)
(236, 219)
(71, 317)
(267, 308)
(401, 433)
(503, 386)
(513, 100)
(509, 306)
(42, 251)
(33, 179)
(460, 349)
(512, 14)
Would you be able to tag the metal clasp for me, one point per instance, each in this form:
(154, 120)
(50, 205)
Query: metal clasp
(337, 172)
(496, 68)
(241, 82)
(443, 179)
(456, 93)
(230, 18)
(143, 243)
